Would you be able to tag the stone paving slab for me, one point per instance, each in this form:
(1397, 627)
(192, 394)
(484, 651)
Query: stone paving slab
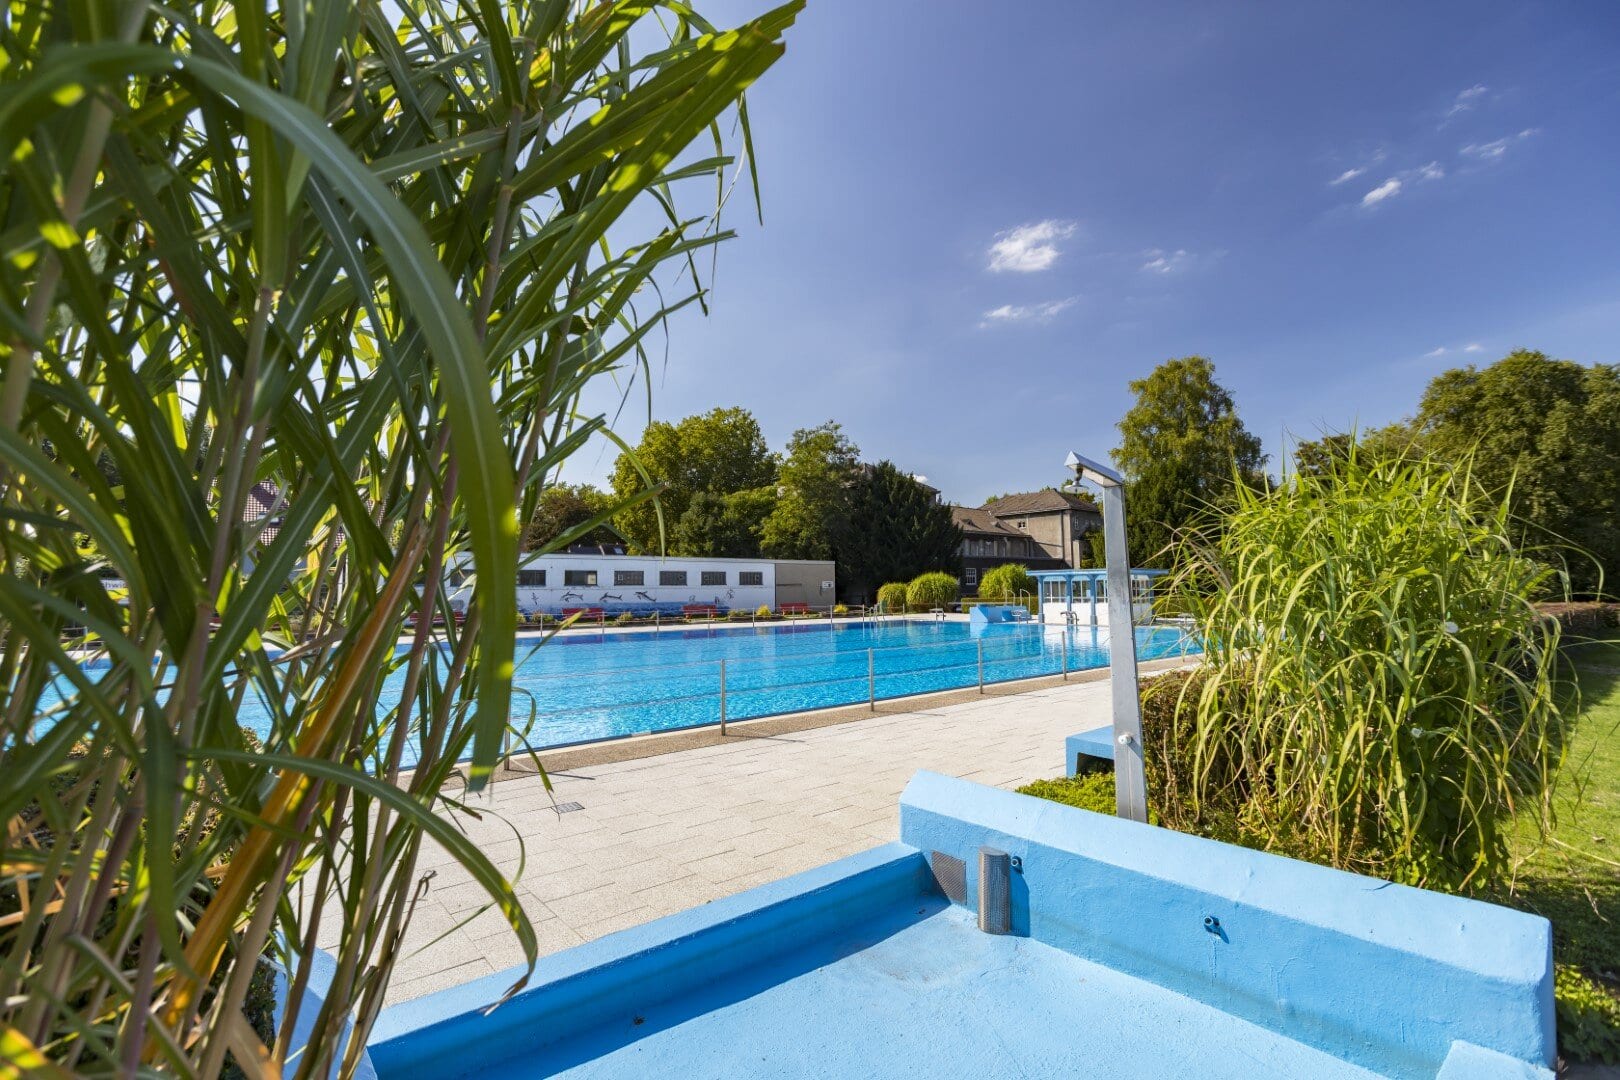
(660, 834)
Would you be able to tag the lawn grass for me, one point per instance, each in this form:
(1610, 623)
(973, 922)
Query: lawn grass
(1573, 878)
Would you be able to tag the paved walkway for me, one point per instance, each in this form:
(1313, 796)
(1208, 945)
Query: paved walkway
(661, 834)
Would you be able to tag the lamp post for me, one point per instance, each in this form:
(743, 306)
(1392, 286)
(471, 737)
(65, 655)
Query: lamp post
(1130, 777)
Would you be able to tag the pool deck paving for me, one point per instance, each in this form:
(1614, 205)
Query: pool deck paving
(658, 834)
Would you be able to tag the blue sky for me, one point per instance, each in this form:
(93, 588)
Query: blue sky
(982, 221)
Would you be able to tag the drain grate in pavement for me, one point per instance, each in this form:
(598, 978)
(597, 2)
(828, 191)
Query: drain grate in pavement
(569, 807)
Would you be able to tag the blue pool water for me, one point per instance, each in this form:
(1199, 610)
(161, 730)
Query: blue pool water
(585, 686)
(603, 685)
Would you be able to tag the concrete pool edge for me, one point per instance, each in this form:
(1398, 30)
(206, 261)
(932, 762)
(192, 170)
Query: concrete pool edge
(1399, 980)
(1293, 946)
(578, 986)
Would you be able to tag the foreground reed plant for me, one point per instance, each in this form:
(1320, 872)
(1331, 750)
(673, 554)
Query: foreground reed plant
(1378, 687)
(298, 303)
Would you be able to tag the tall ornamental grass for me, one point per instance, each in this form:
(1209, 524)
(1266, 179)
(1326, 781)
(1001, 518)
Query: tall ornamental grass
(934, 589)
(1378, 688)
(298, 306)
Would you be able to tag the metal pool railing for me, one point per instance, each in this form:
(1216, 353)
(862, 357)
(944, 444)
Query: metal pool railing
(717, 692)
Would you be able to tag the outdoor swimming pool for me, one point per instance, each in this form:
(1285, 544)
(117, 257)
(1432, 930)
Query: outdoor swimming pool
(583, 686)
(603, 685)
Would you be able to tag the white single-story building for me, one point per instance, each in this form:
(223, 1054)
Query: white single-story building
(643, 584)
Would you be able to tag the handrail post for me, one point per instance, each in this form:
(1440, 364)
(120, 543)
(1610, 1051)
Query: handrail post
(722, 697)
(871, 681)
(981, 665)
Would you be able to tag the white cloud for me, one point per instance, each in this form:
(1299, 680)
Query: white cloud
(1346, 176)
(1387, 189)
(1432, 353)
(1496, 149)
(1485, 151)
(1029, 248)
(1431, 171)
(1160, 261)
(1014, 313)
(1466, 99)
(1473, 346)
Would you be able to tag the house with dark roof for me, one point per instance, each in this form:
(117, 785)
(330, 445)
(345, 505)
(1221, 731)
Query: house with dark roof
(1044, 530)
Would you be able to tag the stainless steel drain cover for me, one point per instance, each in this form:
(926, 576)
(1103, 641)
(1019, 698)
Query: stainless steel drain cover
(950, 873)
(569, 807)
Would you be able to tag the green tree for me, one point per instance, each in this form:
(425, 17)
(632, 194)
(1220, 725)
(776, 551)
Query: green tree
(1182, 444)
(722, 526)
(564, 507)
(815, 488)
(721, 452)
(1549, 430)
(897, 529)
(1316, 457)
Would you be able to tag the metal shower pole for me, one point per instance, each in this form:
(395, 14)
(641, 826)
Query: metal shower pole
(1130, 777)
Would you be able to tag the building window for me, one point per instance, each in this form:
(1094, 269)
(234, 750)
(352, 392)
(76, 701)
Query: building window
(971, 575)
(629, 577)
(579, 577)
(751, 577)
(712, 577)
(672, 577)
(458, 578)
(532, 579)
(1023, 524)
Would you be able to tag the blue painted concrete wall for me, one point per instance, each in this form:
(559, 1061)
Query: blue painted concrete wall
(1383, 975)
(323, 969)
(985, 614)
(1097, 743)
(448, 1033)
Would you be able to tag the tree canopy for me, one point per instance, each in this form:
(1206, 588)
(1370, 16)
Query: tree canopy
(1548, 431)
(722, 526)
(814, 486)
(720, 452)
(1182, 445)
(562, 508)
(1317, 457)
(897, 529)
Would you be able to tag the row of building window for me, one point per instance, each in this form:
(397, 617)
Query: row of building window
(536, 579)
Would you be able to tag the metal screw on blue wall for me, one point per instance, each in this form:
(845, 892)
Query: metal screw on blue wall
(1213, 926)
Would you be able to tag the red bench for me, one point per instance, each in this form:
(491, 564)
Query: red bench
(700, 611)
(794, 609)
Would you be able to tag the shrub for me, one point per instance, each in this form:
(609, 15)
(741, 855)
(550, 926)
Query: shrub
(934, 589)
(840, 609)
(1588, 1017)
(763, 611)
(1006, 582)
(1094, 791)
(892, 597)
(624, 618)
(1378, 682)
